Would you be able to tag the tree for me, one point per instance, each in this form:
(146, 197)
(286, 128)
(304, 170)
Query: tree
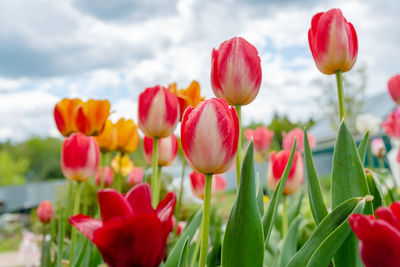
(12, 170)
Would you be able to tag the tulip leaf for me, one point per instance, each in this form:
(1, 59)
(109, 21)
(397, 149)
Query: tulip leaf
(243, 243)
(184, 254)
(260, 196)
(328, 236)
(294, 206)
(289, 248)
(363, 147)
(188, 232)
(269, 216)
(348, 181)
(374, 190)
(316, 199)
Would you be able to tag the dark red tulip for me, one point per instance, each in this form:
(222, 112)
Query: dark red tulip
(130, 232)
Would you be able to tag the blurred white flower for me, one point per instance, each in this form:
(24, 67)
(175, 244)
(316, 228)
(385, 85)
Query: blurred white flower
(378, 147)
(367, 123)
(29, 253)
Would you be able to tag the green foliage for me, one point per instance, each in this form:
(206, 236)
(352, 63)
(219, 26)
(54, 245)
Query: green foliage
(12, 169)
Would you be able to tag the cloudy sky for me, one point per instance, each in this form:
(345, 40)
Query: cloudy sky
(115, 49)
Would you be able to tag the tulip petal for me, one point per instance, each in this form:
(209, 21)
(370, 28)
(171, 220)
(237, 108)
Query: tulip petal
(86, 225)
(165, 208)
(113, 204)
(387, 215)
(139, 198)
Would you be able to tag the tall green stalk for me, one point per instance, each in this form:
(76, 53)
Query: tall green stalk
(43, 257)
(102, 164)
(178, 205)
(77, 203)
(119, 176)
(157, 190)
(284, 217)
(339, 81)
(205, 224)
(154, 178)
(238, 160)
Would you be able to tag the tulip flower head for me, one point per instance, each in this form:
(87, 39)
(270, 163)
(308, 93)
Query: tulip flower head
(379, 238)
(394, 88)
(378, 148)
(236, 71)
(107, 140)
(198, 181)
(64, 112)
(158, 112)
(187, 97)
(391, 125)
(130, 232)
(135, 176)
(125, 164)
(278, 164)
(261, 138)
(167, 150)
(79, 157)
(108, 175)
(45, 212)
(367, 123)
(209, 135)
(333, 42)
(127, 135)
(298, 134)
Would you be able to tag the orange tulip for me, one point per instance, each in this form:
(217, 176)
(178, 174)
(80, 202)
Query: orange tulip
(187, 97)
(63, 112)
(127, 135)
(125, 164)
(107, 140)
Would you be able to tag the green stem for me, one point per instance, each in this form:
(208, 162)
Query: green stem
(178, 205)
(157, 191)
(339, 81)
(238, 161)
(381, 163)
(206, 221)
(370, 157)
(61, 233)
(43, 257)
(196, 251)
(284, 217)
(76, 211)
(102, 161)
(154, 172)
(119, 176)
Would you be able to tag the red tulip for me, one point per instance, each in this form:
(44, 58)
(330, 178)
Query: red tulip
(394, 88)
(79, 157)
(167, 150)
(45, 211)
(379, 239)
(209, 135)
(378, 147)
(158, 112)
(298, 134)
(130, 232)
(108, 175)
(236, 71)
(261, 138)
(277, 165)
(333, 42)
(392, 124)
(135, 176)
(198, 180)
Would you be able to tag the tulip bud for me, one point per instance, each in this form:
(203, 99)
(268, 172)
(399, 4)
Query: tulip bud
(278, 164)
(107, 141)
(63, 115)
(394, 88)
(79, 157)
(333, 42)
(261, 138)
(108, 175)
(91, 117)
(127, 135)
(209, 135)
(236, 71)
(45, 211)
(135, 176)
(198, 181)
(378, 147)
(122, 166)
(158, 112)
(298, 134)
(391, 126)
(167, 150)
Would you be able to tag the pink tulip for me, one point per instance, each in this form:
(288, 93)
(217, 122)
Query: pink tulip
(79, 157)
(181, 226)
(108, 176)
(158, 112)
(210, 136)
(198, 180)
(236, 71)
(392, 124)
(277, 165)
(135, 176)
(333, 42)
(45, 211)
(167, 150)
(378, 147)
(394, 88)
(288, 140)
(261, 138)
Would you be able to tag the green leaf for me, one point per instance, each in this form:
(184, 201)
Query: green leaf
(374, 189)
(269, 216)
(348, 181)
(184, 254)
(317, 204)
(326, 232)
(243, 243)
(294, 207)
(61, 234)
(260, 196)
(289, 248)
(190, 230)
(362, 148)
